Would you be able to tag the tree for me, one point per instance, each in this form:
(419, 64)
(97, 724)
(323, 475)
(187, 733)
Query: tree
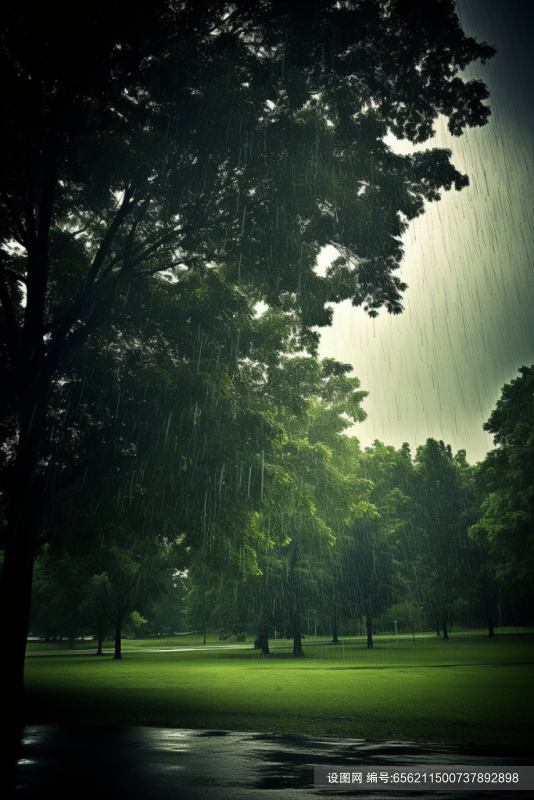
(506, 477)
(367, 550)
(186, 135)
(325, 487)
(442, 491)
(308, 488)
(408, 613)
(167, 615)
(93, 607)
(57, 594)
(131, 580)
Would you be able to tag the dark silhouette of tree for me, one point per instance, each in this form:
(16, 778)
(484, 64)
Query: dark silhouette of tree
(442, 492)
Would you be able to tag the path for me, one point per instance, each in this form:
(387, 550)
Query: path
(137, 763)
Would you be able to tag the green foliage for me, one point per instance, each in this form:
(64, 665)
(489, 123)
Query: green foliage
(443, 492)
(506, 477)
(58, 588)
(307, 489)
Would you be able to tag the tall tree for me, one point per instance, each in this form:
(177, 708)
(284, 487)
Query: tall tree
(181, 136)
(506, 477)
(321, 403)
(367, 550)
(57, 595)
(442, 491)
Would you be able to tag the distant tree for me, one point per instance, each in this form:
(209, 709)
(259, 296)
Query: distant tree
(326, 491)
(442, 491)
(166, 615)
(407, 613)
(367, 574)
(308, 486)
(132, 579)
(506, 478)
(96, 595)
(57, 593)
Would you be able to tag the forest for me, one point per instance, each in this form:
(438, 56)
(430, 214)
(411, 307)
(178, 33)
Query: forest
(175, 455)
(310, 533)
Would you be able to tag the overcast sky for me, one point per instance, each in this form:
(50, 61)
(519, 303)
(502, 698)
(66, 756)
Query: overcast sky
(437, 370)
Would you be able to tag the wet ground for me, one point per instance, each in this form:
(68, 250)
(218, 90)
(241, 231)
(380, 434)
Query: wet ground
(65, 761)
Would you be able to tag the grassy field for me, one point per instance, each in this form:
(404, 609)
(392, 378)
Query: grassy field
(432, 691)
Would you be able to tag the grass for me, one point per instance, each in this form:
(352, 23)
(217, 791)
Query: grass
(396, 691)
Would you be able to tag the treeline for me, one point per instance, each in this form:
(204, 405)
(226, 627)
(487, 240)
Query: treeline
(243, 507)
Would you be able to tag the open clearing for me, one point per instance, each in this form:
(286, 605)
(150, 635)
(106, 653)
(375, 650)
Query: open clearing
(470, 689)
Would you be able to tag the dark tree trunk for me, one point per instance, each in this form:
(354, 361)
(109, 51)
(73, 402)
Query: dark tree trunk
(24, 491)
(118, 642)
(335, 640)
(489, 617)
(100, 640)
(262, 641)
(15, 599)
(204, 634)
(294, 589)
(369, 629)
(23, 486)
(298, 652)
(445, 633)
(15, 604)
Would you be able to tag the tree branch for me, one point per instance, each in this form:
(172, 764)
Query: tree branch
(125, 208)
(22, 235)
(9, 327)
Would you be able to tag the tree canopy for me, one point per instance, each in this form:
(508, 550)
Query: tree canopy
(506, 476)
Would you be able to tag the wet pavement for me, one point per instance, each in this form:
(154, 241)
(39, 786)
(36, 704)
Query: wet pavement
(66, 761)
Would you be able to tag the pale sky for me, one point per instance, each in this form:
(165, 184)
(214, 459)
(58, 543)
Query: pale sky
(437, 370)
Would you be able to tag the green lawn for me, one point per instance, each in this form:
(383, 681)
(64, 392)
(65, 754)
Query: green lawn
(398, 690)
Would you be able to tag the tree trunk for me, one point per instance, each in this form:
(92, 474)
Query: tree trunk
(298, 652)
(445, 634)
(204, 633)
(118, 641)
(25, 495)
(15, 602)
(100, 639)
(262, 641)
(335, 640)
(294, 590)
(369, 629)
(23, 486)
(489, 617)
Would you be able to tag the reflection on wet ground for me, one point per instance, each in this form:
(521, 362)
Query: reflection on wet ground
(61, 761)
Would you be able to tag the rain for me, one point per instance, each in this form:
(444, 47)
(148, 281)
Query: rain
(267, 369)
(437, 369)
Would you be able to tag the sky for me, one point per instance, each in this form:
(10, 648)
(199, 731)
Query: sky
(438, 369)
